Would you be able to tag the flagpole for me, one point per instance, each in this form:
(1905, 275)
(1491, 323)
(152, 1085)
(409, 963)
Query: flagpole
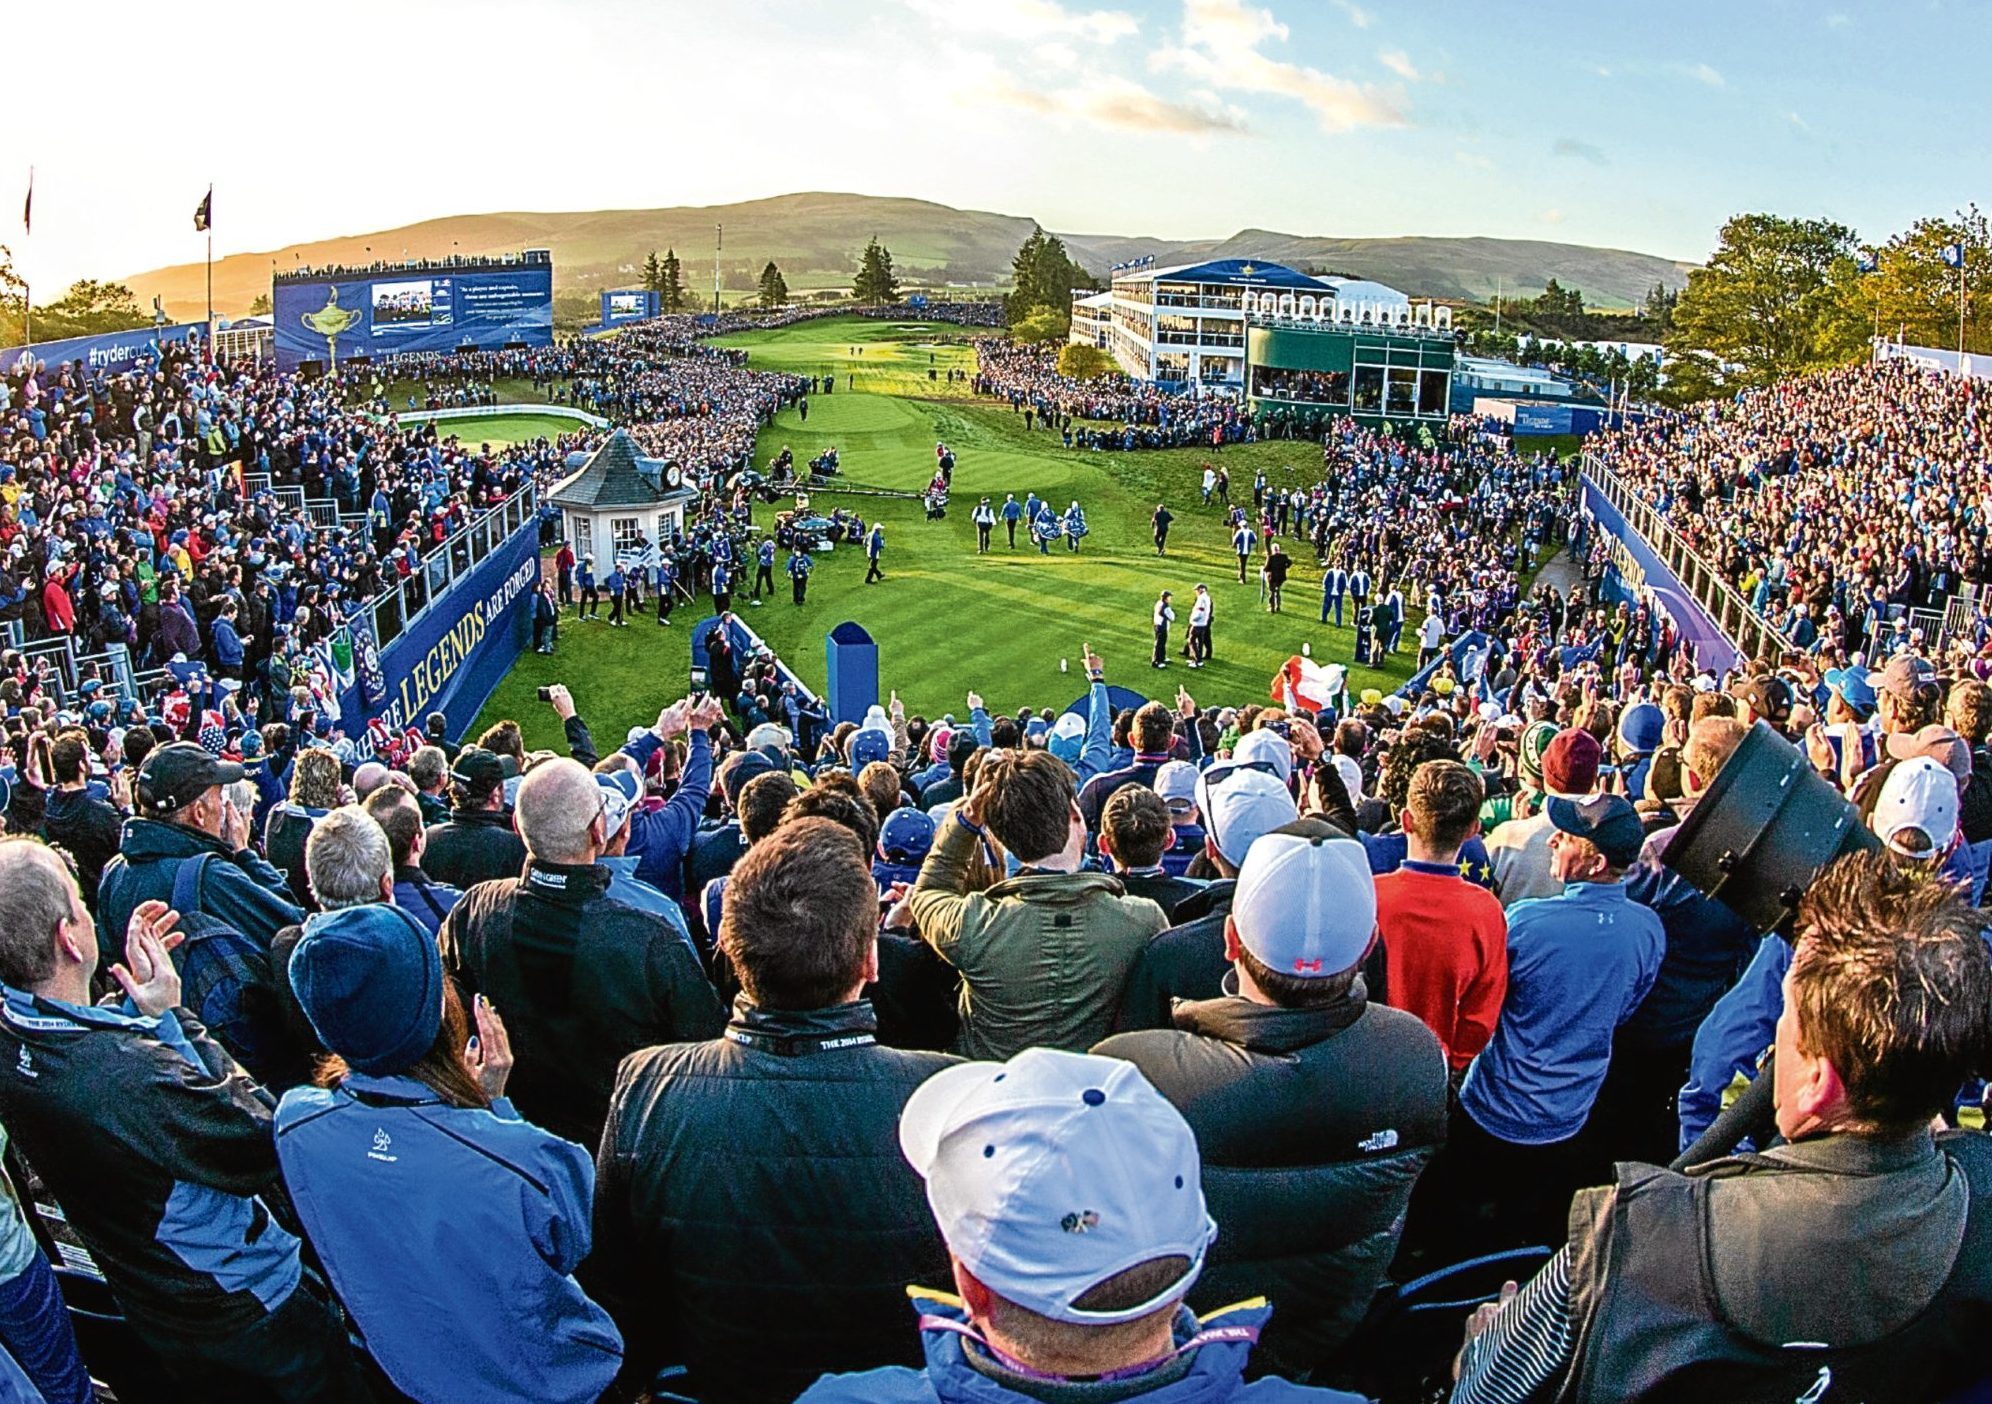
(27, 288)
(209, 222)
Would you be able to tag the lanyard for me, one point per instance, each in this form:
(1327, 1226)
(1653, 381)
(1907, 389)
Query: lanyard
(798, 1045)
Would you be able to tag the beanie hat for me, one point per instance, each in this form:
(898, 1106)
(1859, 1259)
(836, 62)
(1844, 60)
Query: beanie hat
(370, 981)
(1535, 741)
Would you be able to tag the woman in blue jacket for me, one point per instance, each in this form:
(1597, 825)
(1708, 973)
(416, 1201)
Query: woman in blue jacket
(449, 1227)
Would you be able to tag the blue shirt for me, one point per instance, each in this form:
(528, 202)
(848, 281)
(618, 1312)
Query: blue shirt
(632, 891)
(1578, 965)
(1386, 855)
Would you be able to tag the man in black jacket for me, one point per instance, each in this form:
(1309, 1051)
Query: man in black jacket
(1187, 961)
(754, 1217)
(86, 827)
(1314, 1109)
(158, 1149)
(583, 980)
(477, 844)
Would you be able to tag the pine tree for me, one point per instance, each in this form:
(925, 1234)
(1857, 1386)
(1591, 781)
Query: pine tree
(671, 283)
(876, 283)
(1042, 276)
(653, 274)
(774, 287)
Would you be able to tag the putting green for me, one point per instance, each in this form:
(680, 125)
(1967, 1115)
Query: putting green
(947, 620)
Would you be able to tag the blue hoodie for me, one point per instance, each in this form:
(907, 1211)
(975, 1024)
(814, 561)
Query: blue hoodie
(1210, 1371)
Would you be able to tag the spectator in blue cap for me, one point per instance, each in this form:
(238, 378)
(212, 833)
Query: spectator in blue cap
(1641, 729)
(1579, 964)
(413, 1175)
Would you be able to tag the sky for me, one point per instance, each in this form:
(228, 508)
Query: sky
(1638, 126)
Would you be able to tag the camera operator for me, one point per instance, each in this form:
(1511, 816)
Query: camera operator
(1852, 1257)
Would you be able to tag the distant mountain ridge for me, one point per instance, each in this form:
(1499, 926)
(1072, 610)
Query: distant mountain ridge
(816, 238)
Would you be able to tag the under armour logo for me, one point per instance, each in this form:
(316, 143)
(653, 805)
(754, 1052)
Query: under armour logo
(1307, 967)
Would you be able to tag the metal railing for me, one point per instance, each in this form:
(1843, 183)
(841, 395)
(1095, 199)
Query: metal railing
(390, 613)
(1752, 634)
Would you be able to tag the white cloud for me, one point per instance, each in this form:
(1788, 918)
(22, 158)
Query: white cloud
(1552, 216)
(1399, 62)
(1030, 19)
(1703, 73)
(1798, 121)
(1358, 16)
(1116, 102)
(1057, 55)
(1220, 47)
(1838, 20)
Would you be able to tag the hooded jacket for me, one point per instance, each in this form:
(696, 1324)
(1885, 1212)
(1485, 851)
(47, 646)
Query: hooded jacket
(1210, 1369)
(1313, 1125)
(476, 845)
(754, 1215)
(407, 1199)
(1043, 956)
(241, 890)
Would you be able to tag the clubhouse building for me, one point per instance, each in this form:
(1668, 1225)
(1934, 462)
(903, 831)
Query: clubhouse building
(1185, 325)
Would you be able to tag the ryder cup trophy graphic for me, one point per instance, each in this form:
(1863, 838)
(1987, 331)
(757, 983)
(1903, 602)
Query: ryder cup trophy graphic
(331, 322)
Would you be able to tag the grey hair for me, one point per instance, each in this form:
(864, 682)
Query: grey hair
(36, 892)
(346, 857)
(557, 806)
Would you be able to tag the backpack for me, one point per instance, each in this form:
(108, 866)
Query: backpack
(226, 979)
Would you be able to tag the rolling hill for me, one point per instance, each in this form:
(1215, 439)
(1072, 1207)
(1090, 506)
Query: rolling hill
(816, 238)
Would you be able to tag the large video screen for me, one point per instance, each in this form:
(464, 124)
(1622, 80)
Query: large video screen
(628, 305)
(393, 313)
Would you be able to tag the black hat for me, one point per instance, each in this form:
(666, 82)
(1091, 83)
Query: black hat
(1769, 696)
(176, 775)
(478, 770)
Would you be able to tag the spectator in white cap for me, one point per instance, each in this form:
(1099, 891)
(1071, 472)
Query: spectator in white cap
(1176, 782)
(622, 790)
(1070, 1197)
(1915, 815)
(1238, 804)
(1314, 1108)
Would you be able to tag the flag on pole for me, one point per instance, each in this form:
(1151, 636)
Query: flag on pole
(1864, 262)
(204, 212)
(28, 206)
(1953, 255)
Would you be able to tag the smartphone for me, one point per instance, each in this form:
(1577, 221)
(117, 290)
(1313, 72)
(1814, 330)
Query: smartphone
(546, 694)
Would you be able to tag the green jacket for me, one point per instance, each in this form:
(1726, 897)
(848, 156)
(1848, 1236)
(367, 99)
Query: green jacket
(1043, 956)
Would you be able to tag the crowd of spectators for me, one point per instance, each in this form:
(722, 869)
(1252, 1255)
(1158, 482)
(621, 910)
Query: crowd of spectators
(1835, 503)
(1138, 415)
(562, 1075)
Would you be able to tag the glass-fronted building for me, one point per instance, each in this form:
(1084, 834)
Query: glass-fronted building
(1302, 374)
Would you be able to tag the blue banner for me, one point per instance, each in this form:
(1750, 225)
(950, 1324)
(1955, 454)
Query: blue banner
(456, 653)
(111, 352)
(415, 310)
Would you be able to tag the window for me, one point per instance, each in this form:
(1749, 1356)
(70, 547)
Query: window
(1302, 386)
(1172, 368)
(1369, 389)
(665, 523)
(624, 532)
(584, 534)
(1401, 391)
(1434, 395)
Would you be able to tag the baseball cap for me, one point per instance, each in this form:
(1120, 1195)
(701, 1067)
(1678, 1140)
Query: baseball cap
(768, 736)
(620, 791)
(175, 775)
(1854, 685)
(1305, 904)
(1570, 763)
(1239, 803)
(1372, 697)
(1053, 1172)
(1264, 747)
(1070, 726)
(1919, 794)
(1443, 686)
(869, 745)
(1176, 782)
(1770, 697)
(1939, 743)
(1905, 673)
(736, 771)
(1609, 821)
(478, 769)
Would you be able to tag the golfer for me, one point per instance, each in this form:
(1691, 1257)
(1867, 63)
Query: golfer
(1165, 615)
